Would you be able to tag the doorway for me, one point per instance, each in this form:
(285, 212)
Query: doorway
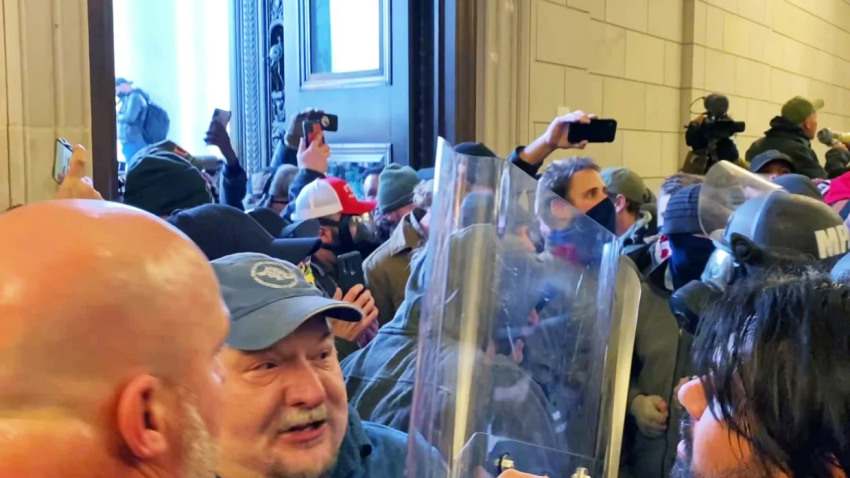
(398, 76)
(181, 66)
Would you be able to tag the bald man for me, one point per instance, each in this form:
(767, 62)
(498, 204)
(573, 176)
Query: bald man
(110, 326)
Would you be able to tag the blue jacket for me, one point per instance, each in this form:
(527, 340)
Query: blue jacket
(370, 451)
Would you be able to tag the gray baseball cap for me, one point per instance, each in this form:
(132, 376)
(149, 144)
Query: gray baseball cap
(269, 298)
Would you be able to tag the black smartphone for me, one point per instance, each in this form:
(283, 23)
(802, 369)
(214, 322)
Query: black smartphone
(329, 122)
(350, 271)
(597, 131)
(311, 130)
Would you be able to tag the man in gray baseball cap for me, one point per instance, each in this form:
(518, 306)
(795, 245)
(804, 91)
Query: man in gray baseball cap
(286, 408)
(637, 225)
(629, 193)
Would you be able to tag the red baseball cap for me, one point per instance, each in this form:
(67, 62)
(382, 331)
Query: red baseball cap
(328, 196)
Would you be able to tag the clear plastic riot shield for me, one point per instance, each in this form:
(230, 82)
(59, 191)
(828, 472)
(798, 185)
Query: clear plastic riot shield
(726, 188)
(513, 366)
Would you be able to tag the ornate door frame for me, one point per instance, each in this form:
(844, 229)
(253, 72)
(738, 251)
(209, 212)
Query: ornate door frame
(250, 72)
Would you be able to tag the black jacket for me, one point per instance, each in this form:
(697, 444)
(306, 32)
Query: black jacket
(532, 170)
(234, 185)
(789, 138)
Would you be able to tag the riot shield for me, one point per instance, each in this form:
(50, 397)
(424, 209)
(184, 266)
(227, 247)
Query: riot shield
(726, 188)
(513, 365)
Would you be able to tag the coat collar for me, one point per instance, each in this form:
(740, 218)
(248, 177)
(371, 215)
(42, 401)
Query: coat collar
(407, 235)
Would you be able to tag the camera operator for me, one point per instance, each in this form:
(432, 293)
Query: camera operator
(792, 133)
(710, 136)
(771, 228)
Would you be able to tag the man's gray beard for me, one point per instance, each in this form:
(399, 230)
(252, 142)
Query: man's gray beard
(278, 471)
(201, 451)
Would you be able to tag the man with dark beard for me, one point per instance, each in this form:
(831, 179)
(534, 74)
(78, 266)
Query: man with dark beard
(110, 329)
(772, 401)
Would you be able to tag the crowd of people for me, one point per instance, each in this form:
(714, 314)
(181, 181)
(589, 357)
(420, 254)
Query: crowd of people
(268, 325)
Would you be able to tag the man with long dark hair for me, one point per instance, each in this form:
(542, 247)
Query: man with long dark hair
(774, 394)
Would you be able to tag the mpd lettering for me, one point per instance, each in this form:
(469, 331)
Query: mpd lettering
(832, 241)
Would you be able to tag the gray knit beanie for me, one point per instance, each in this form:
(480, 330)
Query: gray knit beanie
(395, 188)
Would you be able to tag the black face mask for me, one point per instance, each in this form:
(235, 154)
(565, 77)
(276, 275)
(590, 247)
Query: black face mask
(605, 214)
(689, 256)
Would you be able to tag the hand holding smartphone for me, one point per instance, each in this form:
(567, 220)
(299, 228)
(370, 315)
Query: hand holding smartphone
(320, 122)
(222, 116)
(62, 160)
(350, 271)
(596, 131)
(311, 131)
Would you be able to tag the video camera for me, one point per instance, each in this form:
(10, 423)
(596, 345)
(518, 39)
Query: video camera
(717, 124)
(709, 136)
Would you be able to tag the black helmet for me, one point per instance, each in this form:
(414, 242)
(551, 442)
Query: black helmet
(775, 229)
(782, 227)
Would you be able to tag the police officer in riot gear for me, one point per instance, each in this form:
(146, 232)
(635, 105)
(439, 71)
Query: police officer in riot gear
(509, 365)
(771, 228)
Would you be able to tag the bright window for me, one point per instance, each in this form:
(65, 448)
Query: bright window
(178, 52)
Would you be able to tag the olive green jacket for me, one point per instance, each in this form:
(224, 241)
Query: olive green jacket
(388, 268)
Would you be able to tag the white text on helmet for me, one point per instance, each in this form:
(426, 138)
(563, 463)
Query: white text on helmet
(832, 241)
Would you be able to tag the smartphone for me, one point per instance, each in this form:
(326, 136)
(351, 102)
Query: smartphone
(222, 116)
(350, 271)
(329, 122)
(597, 131)
(62, 160)
(311, 130)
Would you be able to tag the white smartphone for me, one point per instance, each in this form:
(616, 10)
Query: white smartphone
(222, 116)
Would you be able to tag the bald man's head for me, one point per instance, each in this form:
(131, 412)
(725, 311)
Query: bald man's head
(112, 319)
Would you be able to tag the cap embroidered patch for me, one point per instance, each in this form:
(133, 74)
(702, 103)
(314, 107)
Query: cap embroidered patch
(270, 274)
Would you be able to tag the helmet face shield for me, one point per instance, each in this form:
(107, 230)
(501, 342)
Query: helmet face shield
(726, 188)
(720, 270)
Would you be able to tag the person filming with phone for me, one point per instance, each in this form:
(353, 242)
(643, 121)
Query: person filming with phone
(348, 235)
(131, 115)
